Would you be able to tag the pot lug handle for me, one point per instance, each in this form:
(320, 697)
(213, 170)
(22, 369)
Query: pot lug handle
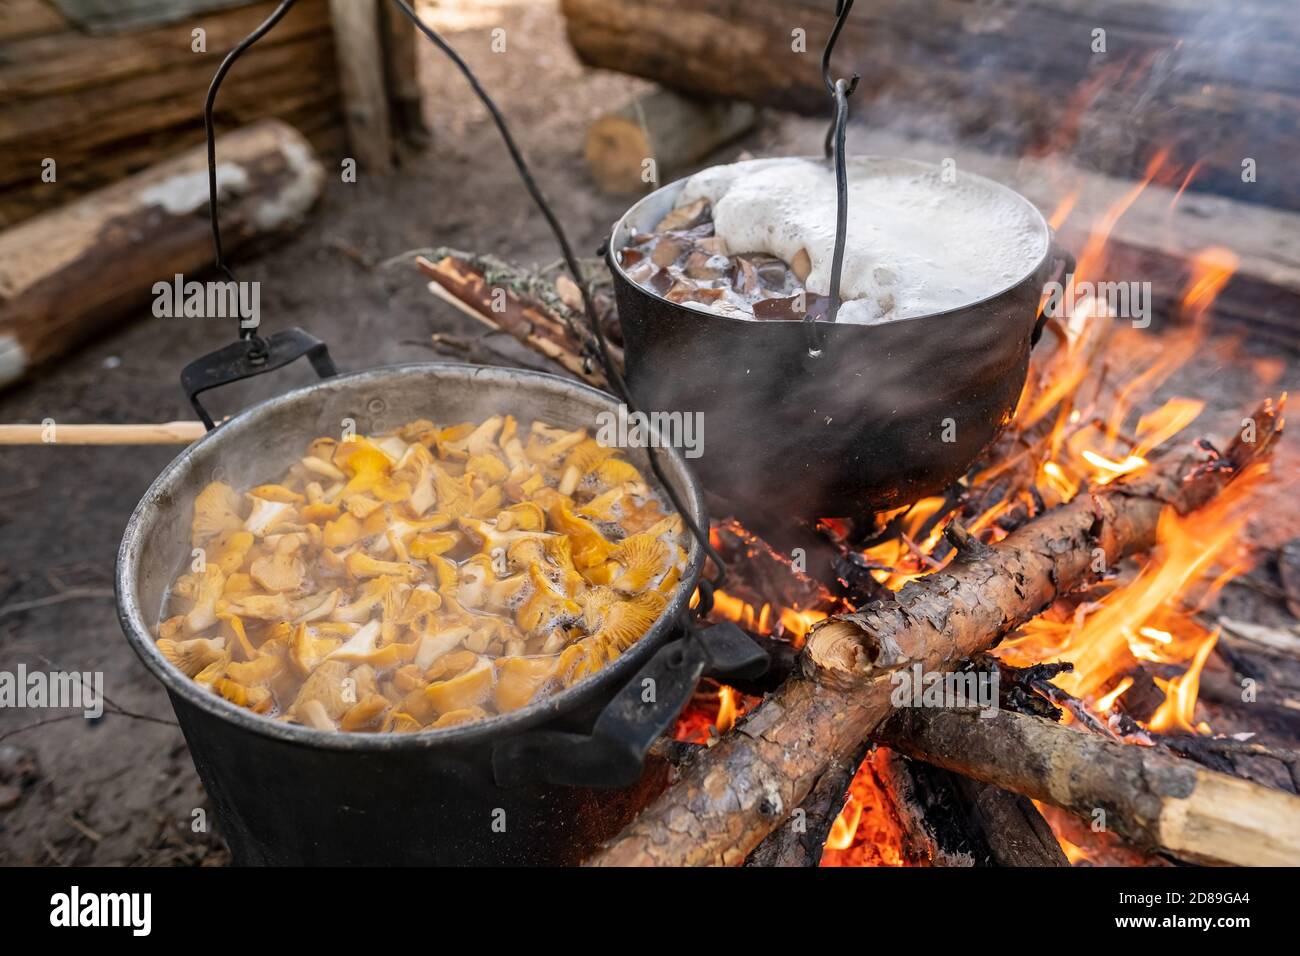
(614, 753)
(1063, 264)
(252, 356)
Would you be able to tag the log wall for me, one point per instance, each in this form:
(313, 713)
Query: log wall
(1213, 81)
(105, 107)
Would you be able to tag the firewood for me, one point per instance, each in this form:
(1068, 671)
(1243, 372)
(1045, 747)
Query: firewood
(460, 282)
(1149, 798)
(74, 270)
(952, 820)
(670, 130)
(803, 845)
(745, 786)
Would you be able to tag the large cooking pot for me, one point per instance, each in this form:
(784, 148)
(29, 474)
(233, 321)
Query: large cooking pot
(509, 789)
(884, 415)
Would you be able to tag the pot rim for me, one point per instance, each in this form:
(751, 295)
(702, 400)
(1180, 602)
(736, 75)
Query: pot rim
(139, 635)
(623, 225)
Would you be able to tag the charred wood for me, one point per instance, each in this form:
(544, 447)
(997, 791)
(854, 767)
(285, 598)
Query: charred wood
(746, 785)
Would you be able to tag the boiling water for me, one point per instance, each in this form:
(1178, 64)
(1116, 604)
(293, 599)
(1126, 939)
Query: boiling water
(916, 244)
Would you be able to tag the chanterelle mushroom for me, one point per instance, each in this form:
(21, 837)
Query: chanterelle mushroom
(422, 578)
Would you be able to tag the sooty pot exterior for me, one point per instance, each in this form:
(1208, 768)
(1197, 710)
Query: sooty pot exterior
(287, 794)
(884, 415)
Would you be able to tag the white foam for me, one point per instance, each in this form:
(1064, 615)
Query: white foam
(915, 243)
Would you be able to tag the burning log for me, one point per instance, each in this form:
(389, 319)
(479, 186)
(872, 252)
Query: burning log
(743, 788)
(803, 846)
(951, 820)
(1147, 797)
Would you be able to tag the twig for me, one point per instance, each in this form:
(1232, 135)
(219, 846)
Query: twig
(72, 594)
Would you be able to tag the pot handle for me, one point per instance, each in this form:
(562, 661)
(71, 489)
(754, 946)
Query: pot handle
(614, 753)
(252, 356)
(1063, 263)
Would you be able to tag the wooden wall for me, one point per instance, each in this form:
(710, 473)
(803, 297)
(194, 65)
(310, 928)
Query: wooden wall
(106, 106)
(1213, 82)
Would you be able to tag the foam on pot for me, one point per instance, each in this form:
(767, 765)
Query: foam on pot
(916, 244)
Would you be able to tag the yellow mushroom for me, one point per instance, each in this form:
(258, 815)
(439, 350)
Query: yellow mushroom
(232, 629)
(258, 672)
(190, 657)
(615, 471)
(463, 716)
(277, 493)
(399, 722)
(254, 698)
(625, 622)
(207, 593)
(325, 686)
(263, 607)
(316, 607)
(434, 645)
(641, 561)
(548, 446)
(230, 548)
(476, 575)
(519, 679)
(307, 649)
(365, 714)
(281, 570)
(590, 547)
(473, 688)
(425, 546)
(546, 607)
(361, 566)
(268, 515)
(216, 509)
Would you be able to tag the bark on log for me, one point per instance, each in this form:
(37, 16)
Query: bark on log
(803, 846)
(742, 788)
(501, 309)
(951, 820)
(69, 272)
(1019, 75)
(106, 107)
(674, 131)
(1151, 799)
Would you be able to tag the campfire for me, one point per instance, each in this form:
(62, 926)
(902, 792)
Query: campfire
(1119, 660)
(1135, 643)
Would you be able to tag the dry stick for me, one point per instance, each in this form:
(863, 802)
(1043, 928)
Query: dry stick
(743, 788)
(1147, 797)
(457, 281)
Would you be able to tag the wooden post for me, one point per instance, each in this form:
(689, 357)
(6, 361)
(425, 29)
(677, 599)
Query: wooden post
(402, 69)
(672, 130)
(358, 41)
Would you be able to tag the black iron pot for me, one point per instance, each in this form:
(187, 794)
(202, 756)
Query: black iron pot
(517, 788)
(885, 415)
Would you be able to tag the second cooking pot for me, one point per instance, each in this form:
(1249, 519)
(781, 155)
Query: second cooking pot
(885, 415)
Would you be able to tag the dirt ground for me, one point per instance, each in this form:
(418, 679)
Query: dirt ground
(122, 790)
